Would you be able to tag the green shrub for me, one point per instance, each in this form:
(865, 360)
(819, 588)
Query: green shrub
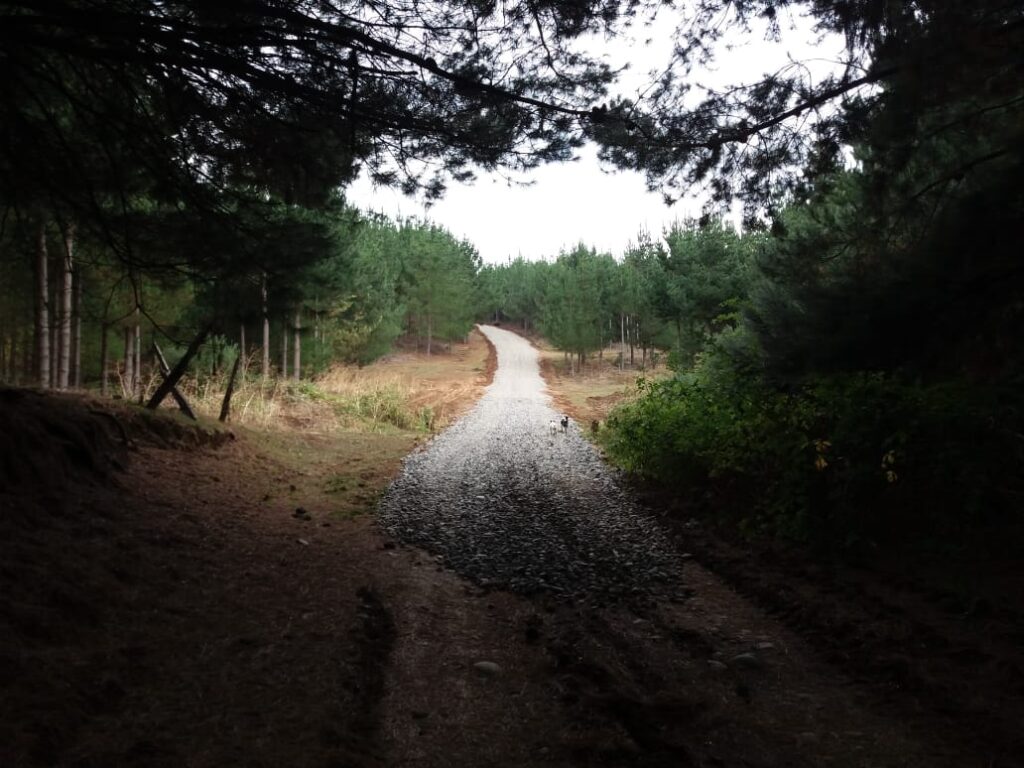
(847, 460)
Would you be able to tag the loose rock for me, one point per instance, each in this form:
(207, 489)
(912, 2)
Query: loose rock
(747, 661)
(487, 668)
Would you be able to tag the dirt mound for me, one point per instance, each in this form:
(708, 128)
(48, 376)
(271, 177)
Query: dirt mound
(172, 614)
(54, 441)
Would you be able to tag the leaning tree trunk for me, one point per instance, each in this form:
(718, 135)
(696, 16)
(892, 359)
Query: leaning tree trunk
(42, 329)
(298, 345)
(66, 290)
(171, 379)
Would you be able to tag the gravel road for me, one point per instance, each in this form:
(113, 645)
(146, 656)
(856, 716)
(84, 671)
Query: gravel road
(508, 504)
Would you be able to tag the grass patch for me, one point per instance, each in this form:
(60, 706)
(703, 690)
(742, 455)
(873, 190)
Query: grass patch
(406, 391)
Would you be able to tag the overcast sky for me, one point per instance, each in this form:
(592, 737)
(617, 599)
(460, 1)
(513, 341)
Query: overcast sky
(567, 203)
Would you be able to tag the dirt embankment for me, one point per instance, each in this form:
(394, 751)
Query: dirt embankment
(161, 604)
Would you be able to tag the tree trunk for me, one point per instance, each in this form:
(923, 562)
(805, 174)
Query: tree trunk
(54, 341)
(225, 407)
(4, 357)
(76, 338)
(266, 330)
(26, 356)
(137, 391)
(65, 291)
(12, 355)
(430, 332)
(129, 362)
(241, 348)
(284, 349)
(104, 358)
(622, 332)
(42, 329)
(42, 309)
(634, 332)
(298, 344)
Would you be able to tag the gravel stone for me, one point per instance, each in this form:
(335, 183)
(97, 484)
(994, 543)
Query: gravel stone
(747, 661)
(507, 504)
(487, 668)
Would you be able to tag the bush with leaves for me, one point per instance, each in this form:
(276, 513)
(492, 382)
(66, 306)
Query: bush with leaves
(839, 460)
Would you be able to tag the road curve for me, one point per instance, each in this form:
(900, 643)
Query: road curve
(510, 505)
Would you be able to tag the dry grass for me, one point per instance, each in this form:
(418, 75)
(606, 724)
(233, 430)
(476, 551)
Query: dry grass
(403, 392)
(436, 388)
(340, 439)
(591, 394)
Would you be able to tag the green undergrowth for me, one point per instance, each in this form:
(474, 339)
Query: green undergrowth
(853, 461)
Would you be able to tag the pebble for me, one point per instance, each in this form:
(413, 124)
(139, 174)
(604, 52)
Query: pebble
(746, 661)
(487, 668)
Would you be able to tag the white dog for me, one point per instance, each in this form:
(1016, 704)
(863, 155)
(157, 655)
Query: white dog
(553, 427)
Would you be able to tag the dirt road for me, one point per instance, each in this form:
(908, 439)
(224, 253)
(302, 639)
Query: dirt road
(185, 612)
(510, 502)
(621, 652)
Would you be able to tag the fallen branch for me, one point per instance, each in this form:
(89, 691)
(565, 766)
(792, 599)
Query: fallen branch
(225, 408)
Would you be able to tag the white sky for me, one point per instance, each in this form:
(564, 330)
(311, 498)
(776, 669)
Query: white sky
(567, 203)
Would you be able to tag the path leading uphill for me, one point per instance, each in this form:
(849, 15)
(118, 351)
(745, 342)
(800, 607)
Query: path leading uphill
(511, 505)
(545, 619)
(513, 608)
